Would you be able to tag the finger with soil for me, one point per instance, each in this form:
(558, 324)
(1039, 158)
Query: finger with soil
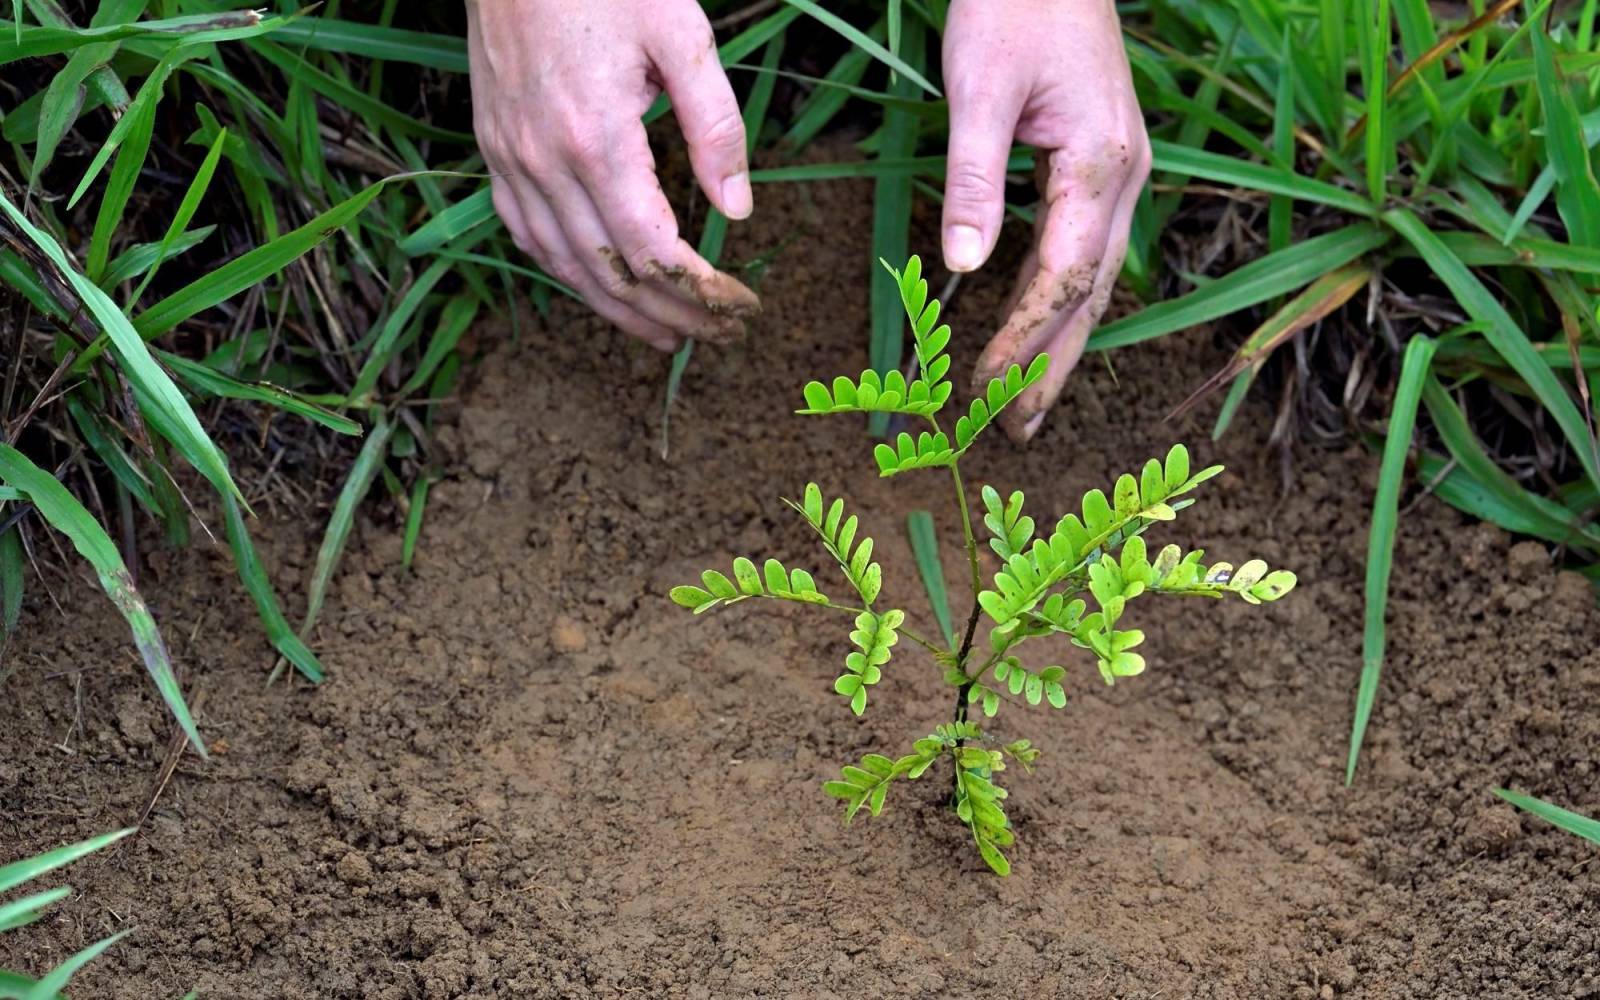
(613, 277)
(1023, 418)
(642, 246)
(547, 244)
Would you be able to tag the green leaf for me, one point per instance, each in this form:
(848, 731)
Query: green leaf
(838, 533)
(1264, 278)
(63, 512)
(1577, 193)
(1233, 171)
(872, 394)
(925, 547)
(922, 452)
(186, 209)
(206, 380)
(362, 473)
(12, 565)
(52, 984)
(1012, 530)
(377, 42)
(874, 636)
(140, 257)
(18, 872)
(1571, 822)
(891, 212)
(254, 577)
(20, 912)
(1000, 393)
(385, 345)
(866, 43)
(773, 581)
(1511, 506)
(1380, 543)
(119, 187)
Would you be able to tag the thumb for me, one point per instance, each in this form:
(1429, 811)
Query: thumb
(982, 123)
(703, 101)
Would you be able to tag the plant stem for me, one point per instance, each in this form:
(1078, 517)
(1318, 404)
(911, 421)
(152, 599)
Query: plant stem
(972, 618)
(972, 560)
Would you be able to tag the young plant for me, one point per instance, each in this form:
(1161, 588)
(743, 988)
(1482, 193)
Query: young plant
(1075, 581)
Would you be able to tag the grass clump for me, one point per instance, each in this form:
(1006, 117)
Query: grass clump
(201, 212)
(1074, 581)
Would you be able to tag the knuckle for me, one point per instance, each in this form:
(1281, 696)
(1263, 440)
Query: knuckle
(618, 282)
(564, 270)
(643, 258)
(968, 184)
(1143, 161)
(583, 142)
(725, 132)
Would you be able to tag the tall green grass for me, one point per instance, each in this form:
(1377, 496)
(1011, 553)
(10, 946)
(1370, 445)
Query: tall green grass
(205, 205)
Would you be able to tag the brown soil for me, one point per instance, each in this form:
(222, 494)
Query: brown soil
(531, 776)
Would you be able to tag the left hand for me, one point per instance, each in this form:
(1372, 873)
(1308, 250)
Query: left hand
(1052, 74)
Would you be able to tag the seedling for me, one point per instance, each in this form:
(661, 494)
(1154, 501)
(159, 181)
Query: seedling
(1045, 585)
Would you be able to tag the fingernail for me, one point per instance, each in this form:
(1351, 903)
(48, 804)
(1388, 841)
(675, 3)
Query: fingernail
(736, 198)
(963, 248)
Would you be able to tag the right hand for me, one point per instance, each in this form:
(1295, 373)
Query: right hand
(558, 88)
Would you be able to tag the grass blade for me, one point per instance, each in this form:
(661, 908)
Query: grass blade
(1571, 822)
(385, 346)
(356, 485)
(715, 231)
(454, 319)
(1275, 274)
(1380, 542)
(465, 215)
(51, 985)
(419, 501)
(186, 209)
(63, 512)
(18, 872)
(119, 187)
(371, 41)
(891, 226)
(140, 257)
(1230, 403)
(12, 563)
(1376, 33)
(24, 911)
(1320, 298)
(1535, 515)
(824, 102)
(925, 547)
(254, 578)
(1577, 194)
(1255, 176)
(864, 42)
(1501, 331)
(207, 380)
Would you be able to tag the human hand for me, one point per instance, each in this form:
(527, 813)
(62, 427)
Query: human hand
(1052, 74)
(558, 88)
